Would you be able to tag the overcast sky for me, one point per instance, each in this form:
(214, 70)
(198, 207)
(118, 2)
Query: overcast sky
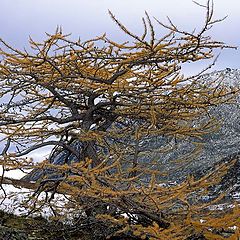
(88, 18)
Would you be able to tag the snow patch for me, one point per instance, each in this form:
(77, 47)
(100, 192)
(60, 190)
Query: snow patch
(18, 201)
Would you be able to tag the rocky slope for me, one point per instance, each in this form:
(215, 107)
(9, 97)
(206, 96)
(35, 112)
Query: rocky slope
(222, 145)
(217, 147)
(214, 147)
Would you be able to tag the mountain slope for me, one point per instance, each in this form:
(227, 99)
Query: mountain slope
(178, 161)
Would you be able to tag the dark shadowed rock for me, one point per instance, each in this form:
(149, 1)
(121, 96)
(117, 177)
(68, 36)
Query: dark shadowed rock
(12, 234)
(59, 156)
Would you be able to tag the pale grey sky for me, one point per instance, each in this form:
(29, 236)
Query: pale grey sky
(89, 18)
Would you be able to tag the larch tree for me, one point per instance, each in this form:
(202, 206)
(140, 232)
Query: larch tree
(96, 103)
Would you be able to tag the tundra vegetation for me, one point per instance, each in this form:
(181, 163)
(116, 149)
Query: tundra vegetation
(98, 102)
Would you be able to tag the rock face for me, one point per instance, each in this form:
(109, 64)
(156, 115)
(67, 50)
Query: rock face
(58, 157)
(215, 146)
(230, 183)
(222, 145)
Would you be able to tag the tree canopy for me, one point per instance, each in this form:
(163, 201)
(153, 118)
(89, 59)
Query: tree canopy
(97, 103)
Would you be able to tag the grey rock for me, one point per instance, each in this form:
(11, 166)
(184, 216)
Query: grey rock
(215, 145)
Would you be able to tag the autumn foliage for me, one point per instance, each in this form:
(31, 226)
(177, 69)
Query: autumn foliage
(108, 99)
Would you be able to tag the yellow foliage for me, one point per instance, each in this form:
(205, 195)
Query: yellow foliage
(97, 103)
